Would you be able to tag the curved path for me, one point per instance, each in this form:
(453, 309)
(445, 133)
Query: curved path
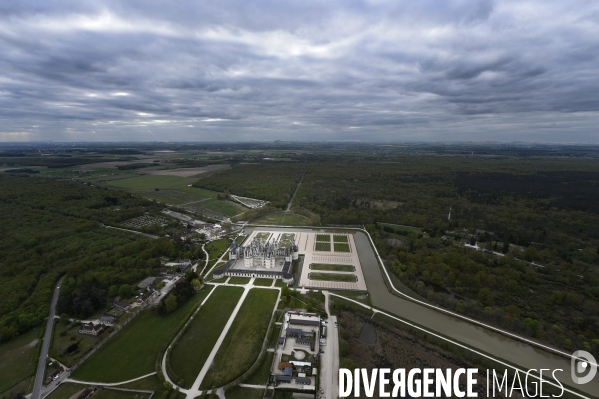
(41, 364)
(108, 384)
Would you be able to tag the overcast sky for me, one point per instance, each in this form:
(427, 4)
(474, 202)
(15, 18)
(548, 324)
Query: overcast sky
(299, 70)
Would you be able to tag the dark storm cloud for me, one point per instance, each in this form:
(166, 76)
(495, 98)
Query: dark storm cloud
(301, 70)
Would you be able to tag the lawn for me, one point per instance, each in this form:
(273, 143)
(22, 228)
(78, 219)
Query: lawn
(66, 390)
(172, 197)
(283, 219)
(150, 182)
(225, 207)
(332, 268)
(16, 359)
(260, 376)
(239, 280)
(216, 248)
(191, 351)
(198, 192)
(323, 237)
(243, 342)
(244, 393)
(262, 236)
(150, 383)
(113, 394)
(401, 228)
(136, 346)
(263, 282)
(322, 246)
(340, 247)
(333, 277)
(285, 240)
(338, 238)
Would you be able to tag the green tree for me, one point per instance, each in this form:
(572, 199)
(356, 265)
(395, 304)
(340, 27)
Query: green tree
(113, 291)
(171, 303)
(125, 291)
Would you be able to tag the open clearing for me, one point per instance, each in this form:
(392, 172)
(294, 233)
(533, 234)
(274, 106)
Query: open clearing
(16, 359)
(283, 219)
(189, 172)
(349, 278)
(332, 268)
(132, 352)
(222, 206)
(401, 227)
(150, 182)
(242, 344)
(190, 353)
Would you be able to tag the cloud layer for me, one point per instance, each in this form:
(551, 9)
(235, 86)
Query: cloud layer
(299, 70)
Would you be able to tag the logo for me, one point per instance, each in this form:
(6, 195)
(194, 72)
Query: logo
(584, 367)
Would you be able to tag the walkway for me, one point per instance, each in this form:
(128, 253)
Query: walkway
(108, 384)
(130, 231)
(295, 192)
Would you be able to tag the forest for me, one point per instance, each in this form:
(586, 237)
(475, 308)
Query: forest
(50, 228)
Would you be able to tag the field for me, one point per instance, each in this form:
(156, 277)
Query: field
(239, 280)
(191, 351)
(341, 247)
(339, 238)
(283, 219)
(332, 268)
(323, 237)
(150, 182)
(16, 359)
(113, 394)
(260, 376)
(263, 282)
(322, 246)
(136, 346)
(399, 227)
(198, 192)
(242, 344)
(332, 277)
(216, 248)
(66, 390)
(244, 393)
(222, 206)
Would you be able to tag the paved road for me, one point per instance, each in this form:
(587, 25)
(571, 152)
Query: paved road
(41, 365)
(330, 365)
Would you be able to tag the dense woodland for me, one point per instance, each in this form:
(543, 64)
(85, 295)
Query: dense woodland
(50, 228)
(531, 209)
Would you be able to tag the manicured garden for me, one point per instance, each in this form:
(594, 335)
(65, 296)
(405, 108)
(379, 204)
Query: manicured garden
(349, 278)
(332, 268)
(239, 280)
(323, 237)
(322, 246)
(341, 247)
(243, 342)
(133, 351)
(263, 282)
(340, 238)
(191, 351)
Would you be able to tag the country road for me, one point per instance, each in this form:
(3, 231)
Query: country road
(295, 192)
(41, 366)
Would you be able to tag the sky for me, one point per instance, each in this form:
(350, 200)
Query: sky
(243, 70)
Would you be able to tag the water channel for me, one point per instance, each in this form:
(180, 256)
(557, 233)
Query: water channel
(494, 344)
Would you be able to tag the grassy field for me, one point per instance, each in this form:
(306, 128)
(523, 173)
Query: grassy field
(112, 394)
(400, 227)
(341, 247)
(216, 248)
(260, 376)
(323, 237)
(322, 246)
(332, 268)
(16, 359)
(263, 282)
(150, 182)
(136, 346)
(283, 219)
(242, 344)
(225, 207)
(191, 351)
(151, 383)
(66, 390)
(338, 238)
(198, 192)
(332, 277)
(244, 393)
(239, 280)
